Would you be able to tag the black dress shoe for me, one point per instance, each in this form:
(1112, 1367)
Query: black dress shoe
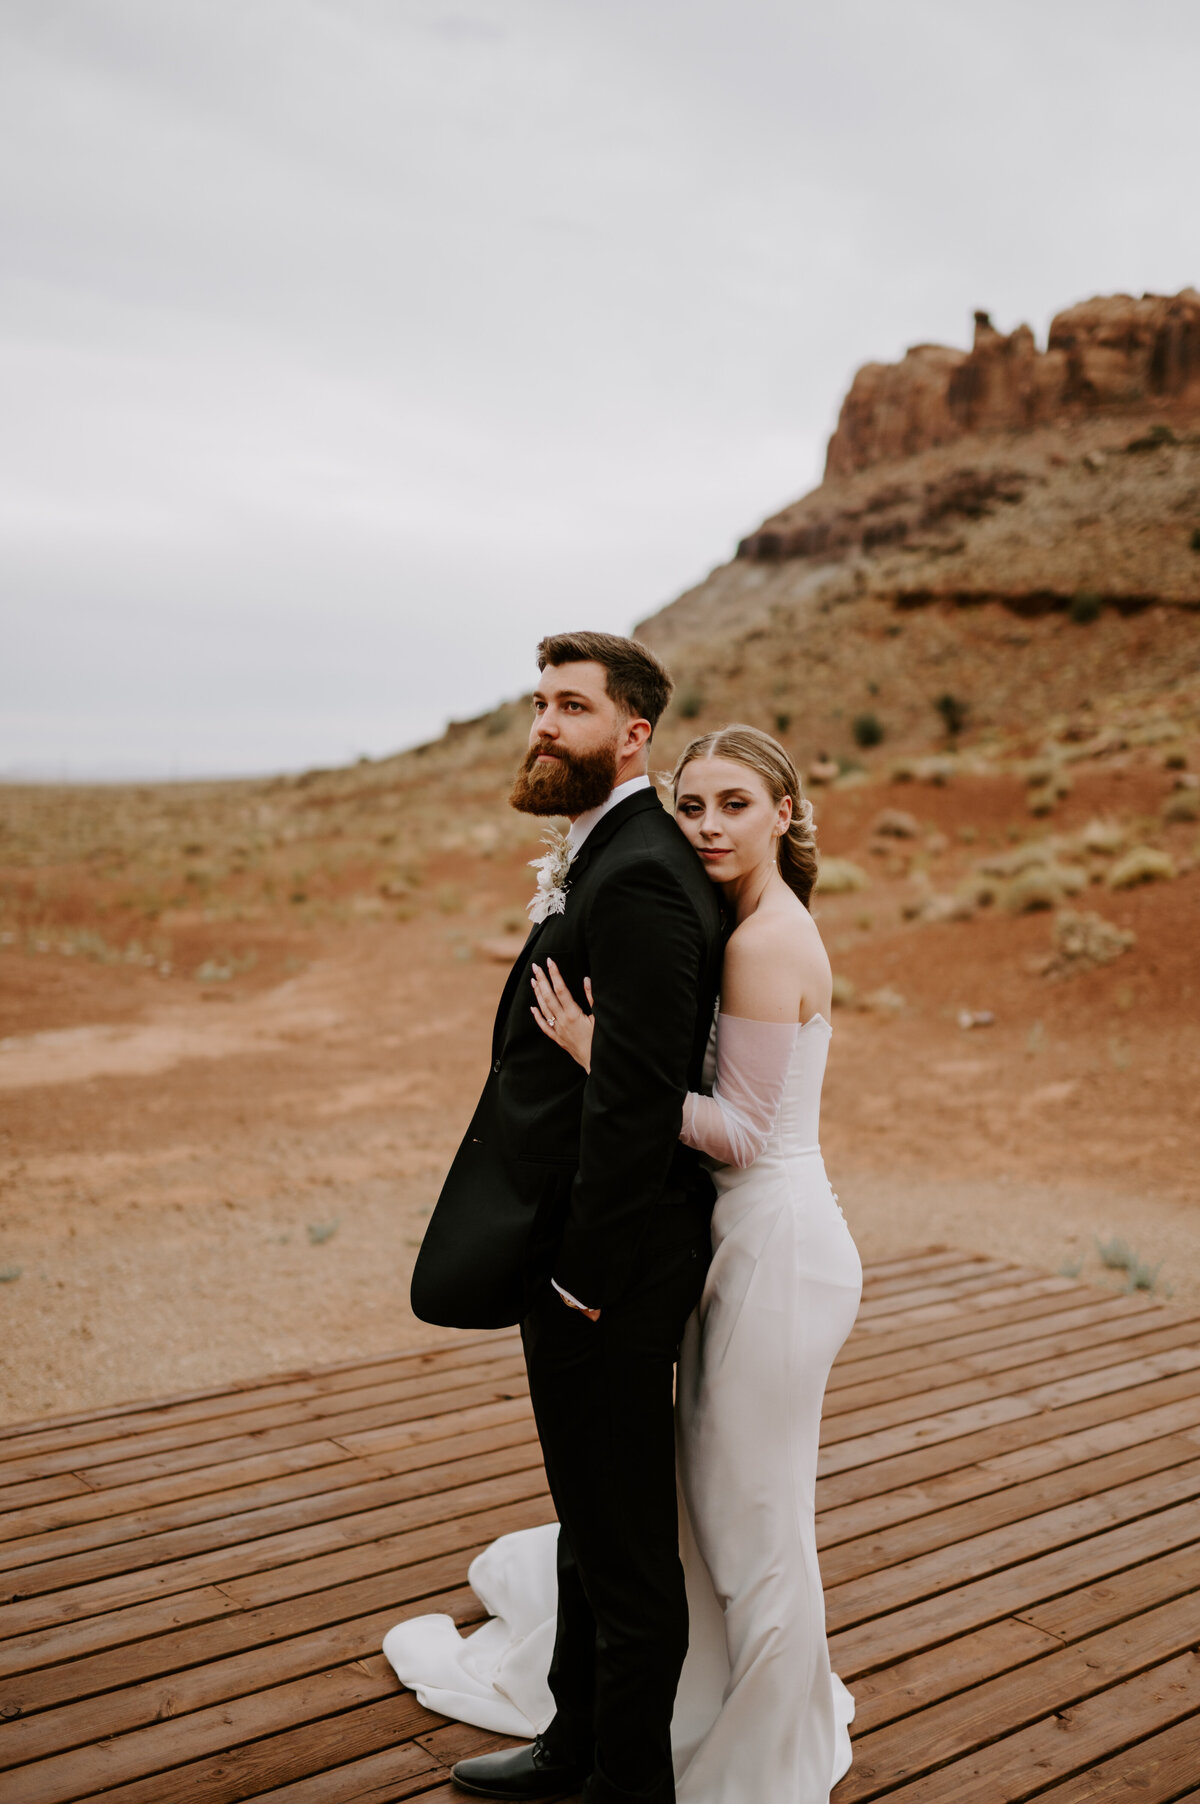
(529, 1772)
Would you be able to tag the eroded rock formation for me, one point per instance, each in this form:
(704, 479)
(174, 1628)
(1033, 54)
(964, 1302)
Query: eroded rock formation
(1107, 354)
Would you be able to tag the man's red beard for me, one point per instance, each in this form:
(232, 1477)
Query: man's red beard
(571, 784)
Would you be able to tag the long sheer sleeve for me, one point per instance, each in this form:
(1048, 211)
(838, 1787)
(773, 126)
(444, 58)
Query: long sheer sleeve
(734, 1124)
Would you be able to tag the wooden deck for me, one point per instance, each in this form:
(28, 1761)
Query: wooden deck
(194, 1591)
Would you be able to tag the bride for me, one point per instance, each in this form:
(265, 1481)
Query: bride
(759, 1716)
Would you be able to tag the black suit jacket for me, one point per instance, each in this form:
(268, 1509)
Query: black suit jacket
(560, 1167)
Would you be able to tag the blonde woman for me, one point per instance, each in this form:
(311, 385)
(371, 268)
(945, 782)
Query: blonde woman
(759, 1716)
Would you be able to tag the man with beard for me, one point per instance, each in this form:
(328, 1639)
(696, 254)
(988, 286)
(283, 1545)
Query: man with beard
(573, 1208)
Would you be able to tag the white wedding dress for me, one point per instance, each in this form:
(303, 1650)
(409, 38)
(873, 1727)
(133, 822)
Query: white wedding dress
(760, 1718)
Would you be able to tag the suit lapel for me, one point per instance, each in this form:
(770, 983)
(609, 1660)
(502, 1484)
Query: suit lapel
(596, 840)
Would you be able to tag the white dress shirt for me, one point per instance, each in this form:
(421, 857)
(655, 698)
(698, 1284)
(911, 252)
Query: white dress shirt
(582, 825)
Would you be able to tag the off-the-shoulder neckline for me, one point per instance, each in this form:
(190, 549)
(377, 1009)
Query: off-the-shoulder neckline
(799, 1025)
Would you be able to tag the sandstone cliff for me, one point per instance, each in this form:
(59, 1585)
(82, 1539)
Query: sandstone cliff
(1104, 355)
(964, 488)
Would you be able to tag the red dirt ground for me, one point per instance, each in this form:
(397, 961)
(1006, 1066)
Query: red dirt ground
(204, 1181)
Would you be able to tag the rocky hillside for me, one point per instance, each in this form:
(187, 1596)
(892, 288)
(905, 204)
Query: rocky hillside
(1018, 530)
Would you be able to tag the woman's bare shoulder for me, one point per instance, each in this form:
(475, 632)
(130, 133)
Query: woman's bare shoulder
(775, 963)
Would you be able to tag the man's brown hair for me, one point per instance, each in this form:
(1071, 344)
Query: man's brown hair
(634, 678)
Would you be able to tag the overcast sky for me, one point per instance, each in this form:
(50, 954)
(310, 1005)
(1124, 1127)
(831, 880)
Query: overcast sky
(346, 346)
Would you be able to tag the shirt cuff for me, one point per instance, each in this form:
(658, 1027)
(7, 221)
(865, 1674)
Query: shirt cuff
(568, 1298)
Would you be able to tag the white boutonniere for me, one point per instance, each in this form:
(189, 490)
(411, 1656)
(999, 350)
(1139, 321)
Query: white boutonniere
(550, 897)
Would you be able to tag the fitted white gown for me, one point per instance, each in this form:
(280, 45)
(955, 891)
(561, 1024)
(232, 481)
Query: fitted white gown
(760, 1718)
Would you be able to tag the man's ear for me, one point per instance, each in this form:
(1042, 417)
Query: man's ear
(637, 737)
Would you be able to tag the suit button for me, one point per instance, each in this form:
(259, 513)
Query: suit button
(496, 1065)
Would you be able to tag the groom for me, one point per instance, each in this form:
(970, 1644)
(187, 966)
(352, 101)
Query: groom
(572, 1207)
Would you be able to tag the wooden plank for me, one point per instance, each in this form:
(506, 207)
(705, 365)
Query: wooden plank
(380, 1778)
(895, 1284)
(1152, 1773)
(42, 1490)
(925, 1431)
(71, 1640)
(1062, 1745)
(1018, 1368)
(430, 1585)
(124, 1646)
(869, 1515)
(916, 1321)
(909, 1685)
(404, 1532)
(75, 1556)
(348, 1373)
(229, 1477)
(957, 1292)
(288, 1532)
(87, 1438)
(292, 1434)
(204, 1492)
(862, 1642)
(877, 1591)
(44, 1729)
(1047, 1303)
(945, 1731)
(1070, 1323)
(1115, 1377)
(423, 1431)
(918, 1260)
(160, 1746)
(252, 1768)
(1023, 1504)
(1082, 1612)
(399, 1550)
(438, 1390)
(910, 1462)
(886, 1403)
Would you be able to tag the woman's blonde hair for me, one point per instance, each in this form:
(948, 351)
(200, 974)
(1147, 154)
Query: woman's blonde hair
(768, 759)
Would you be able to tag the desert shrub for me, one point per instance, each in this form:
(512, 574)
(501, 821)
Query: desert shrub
(1195, 538)
(1083, 941)
(1157, 435)
(1183, 805)
(1117, 1256)
(689, 703)
(953, 711)
(1141, 864)
(1043, 886)
(839, 876)
(843, 991)
(1103, 837)
(1085, 607)
(783, 721)
(867, 730)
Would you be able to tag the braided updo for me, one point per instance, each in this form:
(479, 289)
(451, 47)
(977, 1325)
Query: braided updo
(768, 759)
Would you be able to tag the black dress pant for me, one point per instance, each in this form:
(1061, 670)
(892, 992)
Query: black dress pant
(603, 1400)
